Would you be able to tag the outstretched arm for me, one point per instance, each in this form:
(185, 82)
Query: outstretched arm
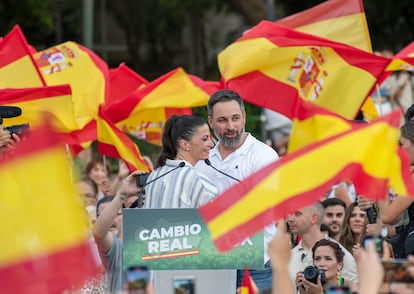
(101, 233)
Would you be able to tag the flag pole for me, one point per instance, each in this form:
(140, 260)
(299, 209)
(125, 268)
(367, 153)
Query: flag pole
(70, 162)
(379, 99)
(105, 163)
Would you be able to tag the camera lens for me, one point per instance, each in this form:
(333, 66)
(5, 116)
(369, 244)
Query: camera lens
(311, 274)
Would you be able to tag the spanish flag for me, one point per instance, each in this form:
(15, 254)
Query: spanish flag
(45, 248)
(34, 102)
(313, 123)
(113, 142)
(17, 67)
(342, 21)
(122, 82)
(403, 60)
(274, 191)
(87, 74)
(272, 66)
(144, 112)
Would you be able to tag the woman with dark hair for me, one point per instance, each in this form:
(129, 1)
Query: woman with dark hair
(99, 172)
(353, 228)
(328, 258)
(185, 140)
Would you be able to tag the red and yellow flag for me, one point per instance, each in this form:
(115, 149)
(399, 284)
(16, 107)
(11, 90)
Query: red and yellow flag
(83, 138)
(34, 102)
(273, 66)
(274, 191)
(17, 67)
(46, 249)
(403, 60)
(144, 112)
(246, 285)
(73, 64)
(313, 123)
(114, 143)
(341, 21)
(122, 82)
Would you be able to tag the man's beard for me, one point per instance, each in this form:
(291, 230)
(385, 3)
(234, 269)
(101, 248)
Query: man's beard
(230, 142)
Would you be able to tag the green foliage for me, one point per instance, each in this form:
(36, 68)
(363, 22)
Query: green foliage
(33, 16)
(41, 19)
(391, 23)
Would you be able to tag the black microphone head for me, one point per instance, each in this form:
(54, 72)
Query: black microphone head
(207, 161)
(10, 111)
(182, 163)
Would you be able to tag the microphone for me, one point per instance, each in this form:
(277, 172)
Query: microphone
(181, 164)
(9, 111)
(141, 181)
(207, 161)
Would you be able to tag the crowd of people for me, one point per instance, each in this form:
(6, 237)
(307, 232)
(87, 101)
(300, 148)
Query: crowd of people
(329, 244)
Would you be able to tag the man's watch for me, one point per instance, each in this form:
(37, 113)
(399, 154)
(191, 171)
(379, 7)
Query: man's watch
(384, 232)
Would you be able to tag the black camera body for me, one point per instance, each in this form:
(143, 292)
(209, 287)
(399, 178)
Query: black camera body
(141, 180)
(20, 130)
(372, 215)
(311, 274)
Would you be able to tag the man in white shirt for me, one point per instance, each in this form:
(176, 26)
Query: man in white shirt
(306, 223)
(237, 155)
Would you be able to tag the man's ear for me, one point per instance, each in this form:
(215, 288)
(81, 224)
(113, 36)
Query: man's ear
(210, 121)
(315, 219)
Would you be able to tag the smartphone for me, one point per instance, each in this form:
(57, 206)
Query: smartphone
(378, 243)
(338, 290)
(184, 285)
(141, 180)
(396, 271)
(137, 279)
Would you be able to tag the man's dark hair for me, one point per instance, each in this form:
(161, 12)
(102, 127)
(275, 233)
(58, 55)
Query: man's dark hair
(104, 199)
(325, 228)
(407, 130)
(409, 114)
(333, 202)
(223, 96)
(90, 182)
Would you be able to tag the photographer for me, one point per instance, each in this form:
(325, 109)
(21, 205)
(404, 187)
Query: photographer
(306, 223)
(328, 259)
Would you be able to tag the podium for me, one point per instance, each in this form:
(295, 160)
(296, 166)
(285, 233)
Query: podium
(176, 245)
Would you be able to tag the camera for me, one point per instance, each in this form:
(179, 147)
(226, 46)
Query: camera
(20, 130)
(141, 180)
(311, 274)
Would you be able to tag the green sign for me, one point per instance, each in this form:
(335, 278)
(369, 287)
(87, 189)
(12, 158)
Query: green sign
(178, 239)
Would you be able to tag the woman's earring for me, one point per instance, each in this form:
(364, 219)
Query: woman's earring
(339, 278)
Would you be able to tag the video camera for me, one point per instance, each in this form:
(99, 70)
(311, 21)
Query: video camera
(12, 111)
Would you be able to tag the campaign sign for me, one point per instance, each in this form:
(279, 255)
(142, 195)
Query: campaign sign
(178, 239)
